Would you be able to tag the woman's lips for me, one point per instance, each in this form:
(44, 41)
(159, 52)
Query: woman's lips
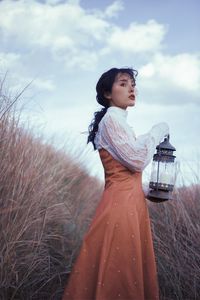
(132, 97)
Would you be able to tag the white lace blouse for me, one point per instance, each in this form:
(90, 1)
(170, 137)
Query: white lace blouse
(118, 138)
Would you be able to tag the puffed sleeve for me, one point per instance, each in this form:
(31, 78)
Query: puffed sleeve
(134, 153)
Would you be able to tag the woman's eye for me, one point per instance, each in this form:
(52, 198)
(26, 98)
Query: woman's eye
(123, 84)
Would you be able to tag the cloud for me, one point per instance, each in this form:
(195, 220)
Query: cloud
(137, 38)
(66, 32)
(60, 28)
(8, 60)
(12, 65)
(113, 9)
(71, 34)
(44, 84)
(64, 48)
(56, 36)
(87, 60)
(177, 77)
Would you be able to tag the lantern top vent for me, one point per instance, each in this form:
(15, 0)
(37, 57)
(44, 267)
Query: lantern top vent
(165, 145)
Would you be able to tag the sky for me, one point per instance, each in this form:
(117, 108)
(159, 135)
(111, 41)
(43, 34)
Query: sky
(63, 47)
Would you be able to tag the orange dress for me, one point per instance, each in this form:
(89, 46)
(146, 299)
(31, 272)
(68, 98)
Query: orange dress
(116, 260)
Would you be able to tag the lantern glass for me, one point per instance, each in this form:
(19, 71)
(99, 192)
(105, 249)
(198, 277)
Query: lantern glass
(154, 172)
(166, 174)
(163, 172)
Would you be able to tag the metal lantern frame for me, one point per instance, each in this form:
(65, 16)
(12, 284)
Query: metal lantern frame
(162, 191)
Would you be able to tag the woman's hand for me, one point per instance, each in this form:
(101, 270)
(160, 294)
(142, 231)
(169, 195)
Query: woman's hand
(159, 131)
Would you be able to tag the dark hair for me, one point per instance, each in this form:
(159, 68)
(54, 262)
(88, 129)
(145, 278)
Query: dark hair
(104, 85)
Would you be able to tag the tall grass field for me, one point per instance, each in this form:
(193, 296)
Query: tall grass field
(47, 200)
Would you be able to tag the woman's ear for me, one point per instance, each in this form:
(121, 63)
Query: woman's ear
(107, 95)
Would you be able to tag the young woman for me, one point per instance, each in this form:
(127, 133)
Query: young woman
(117, 258)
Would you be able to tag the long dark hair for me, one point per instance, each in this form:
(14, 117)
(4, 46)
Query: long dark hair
(104, 85)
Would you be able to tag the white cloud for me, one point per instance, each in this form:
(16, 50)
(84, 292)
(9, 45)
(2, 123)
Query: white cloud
(54, 2)
(113, 9)
(138, 38)
(44, 84)
(65, 25)
(182, 70)
(60, 44)
(11, 63)
(86, 61)
(62, 35)
(175, 77)
(8, 60)
(38, 84)
(66, 31)
(70, 33)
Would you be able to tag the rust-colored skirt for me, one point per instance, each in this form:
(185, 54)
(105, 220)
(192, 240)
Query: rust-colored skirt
(116, 260)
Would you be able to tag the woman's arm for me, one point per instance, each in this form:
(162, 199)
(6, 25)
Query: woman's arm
(119, 140)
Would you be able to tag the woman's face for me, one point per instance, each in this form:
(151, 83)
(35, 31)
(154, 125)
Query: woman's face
(123, 91)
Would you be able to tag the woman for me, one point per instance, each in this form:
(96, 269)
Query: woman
(117, 259)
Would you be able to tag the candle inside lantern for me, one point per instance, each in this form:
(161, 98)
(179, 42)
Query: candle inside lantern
(165, 177)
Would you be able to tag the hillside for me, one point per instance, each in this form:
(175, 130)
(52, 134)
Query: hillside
(47, 201)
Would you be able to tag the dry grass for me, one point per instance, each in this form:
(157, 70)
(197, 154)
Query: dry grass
(176, 228)
(46, 203)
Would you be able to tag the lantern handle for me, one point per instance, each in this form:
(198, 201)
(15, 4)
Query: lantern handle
(167, 136)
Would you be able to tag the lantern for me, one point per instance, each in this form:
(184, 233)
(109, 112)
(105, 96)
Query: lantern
(163, 173)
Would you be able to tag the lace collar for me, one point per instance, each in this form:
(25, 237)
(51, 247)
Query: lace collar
(118, 110)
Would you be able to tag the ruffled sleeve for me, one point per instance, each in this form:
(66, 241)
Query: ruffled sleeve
(119, 139)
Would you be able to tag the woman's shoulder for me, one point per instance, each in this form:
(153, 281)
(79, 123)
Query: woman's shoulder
(110, 116)
(109, 120)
